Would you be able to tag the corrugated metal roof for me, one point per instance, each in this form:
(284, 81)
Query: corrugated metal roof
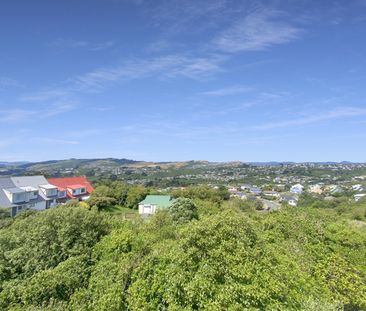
(162, 201)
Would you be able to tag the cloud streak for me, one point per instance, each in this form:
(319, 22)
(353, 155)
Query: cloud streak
(21, 114)
(8, 82)
(258, 30)
(56, 141)
(231, 90)
(82, 44)
(171, 66)
(338, 113)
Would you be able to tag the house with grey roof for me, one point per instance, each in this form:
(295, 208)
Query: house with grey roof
(26, 192)
(152, 203)
(291, 200)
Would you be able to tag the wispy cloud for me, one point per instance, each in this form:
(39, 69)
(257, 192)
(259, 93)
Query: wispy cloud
(8, 82)
(82, 44)
(164, 67)
(22, 114)
(13, 115)
(45, 95)
(175, 16)
(231, 90)
(7, 142)
(45, 140)
(338, 113)
(258, 30)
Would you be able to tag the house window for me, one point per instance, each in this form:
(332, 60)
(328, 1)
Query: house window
(82, 190)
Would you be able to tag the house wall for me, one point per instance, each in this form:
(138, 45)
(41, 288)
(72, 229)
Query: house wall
(33, 195)
(62, 194)
(17, 197)
(51, 192)
(39, 206)
(143, 209)
(77, 191)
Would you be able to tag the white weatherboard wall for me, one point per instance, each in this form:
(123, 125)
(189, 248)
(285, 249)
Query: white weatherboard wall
(147, 209)
(77, 191)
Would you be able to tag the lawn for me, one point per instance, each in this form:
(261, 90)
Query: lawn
(120, 210)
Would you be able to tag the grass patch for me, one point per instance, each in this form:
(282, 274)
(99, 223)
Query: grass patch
(120, 210)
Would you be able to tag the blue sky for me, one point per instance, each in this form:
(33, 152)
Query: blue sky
(217, 80)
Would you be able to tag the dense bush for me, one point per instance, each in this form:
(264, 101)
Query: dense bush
(41, 251)
(230, 258)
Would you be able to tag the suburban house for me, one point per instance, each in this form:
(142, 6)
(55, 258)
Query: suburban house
(317, 189)
(298, 188)
(27, 192)
(290, 200)
(335, 189)
(78, 188)
(245, 187)
(152, 203)
(357, 187)
(273, 194)
(360, 196)
(255, 190)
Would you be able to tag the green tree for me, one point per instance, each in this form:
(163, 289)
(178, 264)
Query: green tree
(183, 210)
(135, 195)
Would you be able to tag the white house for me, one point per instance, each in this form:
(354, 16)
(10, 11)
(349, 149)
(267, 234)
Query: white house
(298, 188)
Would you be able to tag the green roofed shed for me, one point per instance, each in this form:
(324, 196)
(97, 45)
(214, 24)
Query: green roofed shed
(154, 202)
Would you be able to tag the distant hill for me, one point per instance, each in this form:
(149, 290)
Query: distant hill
(90, 166)
(13, 163)
(76, 164)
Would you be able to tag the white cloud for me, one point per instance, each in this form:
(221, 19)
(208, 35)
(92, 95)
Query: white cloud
(338, 113)
(258, 30)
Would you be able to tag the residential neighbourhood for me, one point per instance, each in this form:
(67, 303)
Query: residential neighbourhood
(277, 184)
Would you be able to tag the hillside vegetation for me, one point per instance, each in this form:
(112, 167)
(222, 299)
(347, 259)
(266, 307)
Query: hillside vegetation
(201, 254)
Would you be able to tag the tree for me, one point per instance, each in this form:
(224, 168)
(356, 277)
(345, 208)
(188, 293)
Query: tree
(183, 210)
(135, 195)
(101, 202)
(46, 255)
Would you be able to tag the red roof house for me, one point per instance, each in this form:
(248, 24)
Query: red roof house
(72, 187)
